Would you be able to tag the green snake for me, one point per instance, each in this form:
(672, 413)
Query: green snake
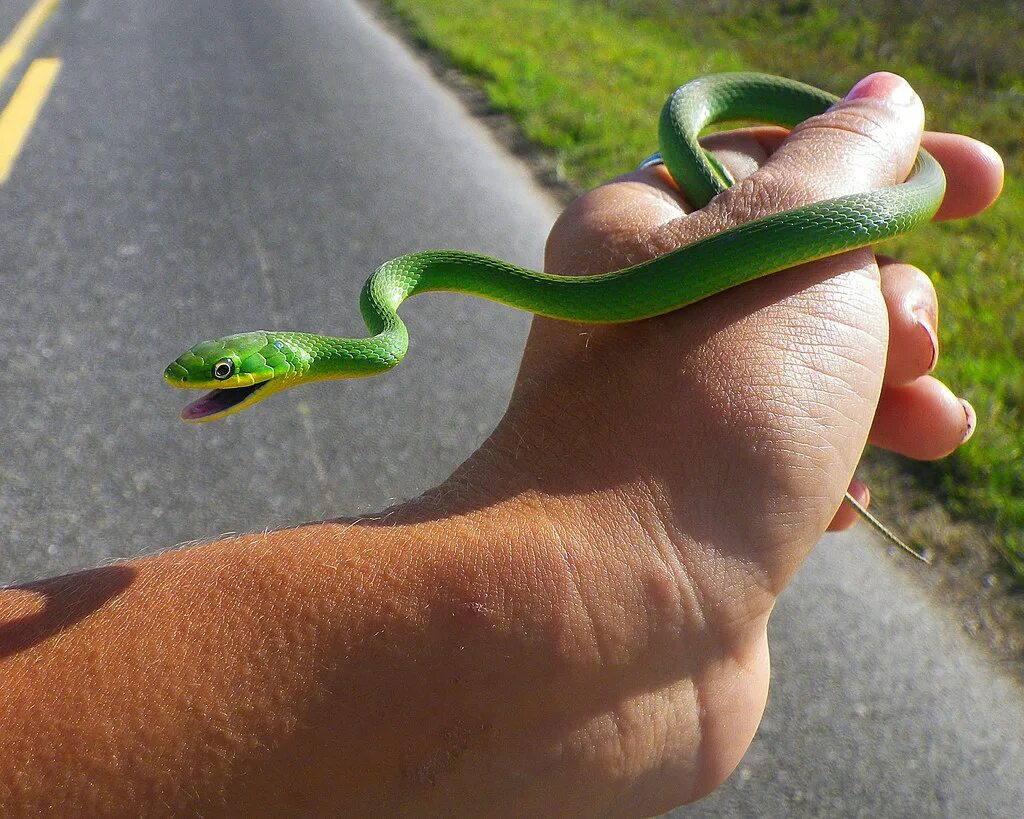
(240, 370)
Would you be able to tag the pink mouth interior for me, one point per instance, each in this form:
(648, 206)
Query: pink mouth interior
(217, 401)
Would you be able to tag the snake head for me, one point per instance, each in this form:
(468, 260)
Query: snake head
(237, 370)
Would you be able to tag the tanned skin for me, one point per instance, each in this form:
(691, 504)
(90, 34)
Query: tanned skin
(574, 623)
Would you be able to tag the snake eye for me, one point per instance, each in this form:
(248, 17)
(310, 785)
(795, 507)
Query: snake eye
(223, 369)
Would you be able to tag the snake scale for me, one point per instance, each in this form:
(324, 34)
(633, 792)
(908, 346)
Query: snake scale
(243, 369)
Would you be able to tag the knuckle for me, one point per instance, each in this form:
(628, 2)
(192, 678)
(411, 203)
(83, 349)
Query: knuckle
(763, 194)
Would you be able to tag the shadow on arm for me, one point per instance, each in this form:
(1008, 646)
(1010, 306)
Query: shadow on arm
(45, 608)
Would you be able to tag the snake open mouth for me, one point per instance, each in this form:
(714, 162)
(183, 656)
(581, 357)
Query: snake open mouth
(216, 402)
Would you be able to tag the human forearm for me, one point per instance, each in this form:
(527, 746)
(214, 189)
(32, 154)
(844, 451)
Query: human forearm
(160, 681)
(452, 661)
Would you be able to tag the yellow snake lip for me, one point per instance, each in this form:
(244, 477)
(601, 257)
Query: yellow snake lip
(225, 401)
(221, 400)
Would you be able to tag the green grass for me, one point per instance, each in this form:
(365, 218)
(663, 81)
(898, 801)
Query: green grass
(585, 79)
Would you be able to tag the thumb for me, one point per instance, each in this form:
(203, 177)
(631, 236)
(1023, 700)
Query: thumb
(865, 141)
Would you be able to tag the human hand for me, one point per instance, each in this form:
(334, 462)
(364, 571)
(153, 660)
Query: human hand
(696, 458)
(574, 624)
(642, 215)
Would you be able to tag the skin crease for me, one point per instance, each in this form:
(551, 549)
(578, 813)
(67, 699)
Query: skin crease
(574, 623)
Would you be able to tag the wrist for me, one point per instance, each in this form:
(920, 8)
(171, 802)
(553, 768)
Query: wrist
(618, 626)
(587, 533)
(621, 514)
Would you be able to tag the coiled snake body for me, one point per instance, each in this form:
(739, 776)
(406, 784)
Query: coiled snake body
(242, 369)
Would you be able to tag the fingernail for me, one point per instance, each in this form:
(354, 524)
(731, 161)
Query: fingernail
(924, 321)
(972, 420)
(883, 86)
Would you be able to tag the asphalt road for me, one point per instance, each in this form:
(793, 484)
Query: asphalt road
(207, 167)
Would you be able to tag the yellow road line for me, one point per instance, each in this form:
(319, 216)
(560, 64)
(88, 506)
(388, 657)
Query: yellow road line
(14, 47)
(17, 118)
